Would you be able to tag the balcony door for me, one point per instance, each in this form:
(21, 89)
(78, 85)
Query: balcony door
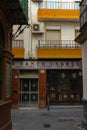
(29, 92)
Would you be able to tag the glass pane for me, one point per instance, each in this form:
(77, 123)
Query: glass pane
(25, 97)
(34, 85)
(52, 97)
(25, 85)
(34, 97)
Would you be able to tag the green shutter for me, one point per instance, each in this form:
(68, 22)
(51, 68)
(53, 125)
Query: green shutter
(24, 5)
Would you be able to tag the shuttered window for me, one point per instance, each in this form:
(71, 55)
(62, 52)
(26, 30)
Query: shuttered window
(53, 34)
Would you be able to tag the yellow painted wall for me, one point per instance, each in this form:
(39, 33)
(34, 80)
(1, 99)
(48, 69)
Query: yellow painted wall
(59, 53)
(18, 52)
(58, 14)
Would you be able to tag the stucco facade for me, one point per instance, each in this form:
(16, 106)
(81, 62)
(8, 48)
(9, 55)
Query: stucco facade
(49, 48)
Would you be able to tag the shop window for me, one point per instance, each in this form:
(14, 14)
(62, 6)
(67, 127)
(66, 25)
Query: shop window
(74, 75)
(63, 75)
(76, 81)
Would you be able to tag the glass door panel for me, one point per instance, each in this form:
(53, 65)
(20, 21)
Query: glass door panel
(24, 92)
(34, 91)
(34, 85)
(28, 92)
(25, 85)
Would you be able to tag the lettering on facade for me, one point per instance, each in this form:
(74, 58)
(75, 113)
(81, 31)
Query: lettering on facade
(47, 64)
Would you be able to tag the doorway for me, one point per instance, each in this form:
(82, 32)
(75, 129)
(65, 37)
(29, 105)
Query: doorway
(28, 92)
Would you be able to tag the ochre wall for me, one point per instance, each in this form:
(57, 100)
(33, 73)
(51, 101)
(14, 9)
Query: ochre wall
(58, 14)
(18, 52)
(59, 53)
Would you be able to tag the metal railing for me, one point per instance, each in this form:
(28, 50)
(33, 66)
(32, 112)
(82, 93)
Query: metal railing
(17, 44)
(59, 5)
(57, 44)
(83, 17)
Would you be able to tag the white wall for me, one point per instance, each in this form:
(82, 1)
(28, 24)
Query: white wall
(67, 31)
(15, 28)
(31, 39)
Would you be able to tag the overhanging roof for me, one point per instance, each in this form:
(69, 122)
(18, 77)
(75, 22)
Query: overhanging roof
(15, 10)
(82, 37)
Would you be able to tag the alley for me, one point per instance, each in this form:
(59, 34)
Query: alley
(57, 118)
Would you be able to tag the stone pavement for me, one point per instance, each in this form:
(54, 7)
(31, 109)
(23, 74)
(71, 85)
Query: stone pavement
(57, 118)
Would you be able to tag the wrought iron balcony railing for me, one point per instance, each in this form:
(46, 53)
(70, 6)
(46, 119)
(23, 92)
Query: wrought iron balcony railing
(83, 16)
(17, 44)
(57, 44)
(59, 5)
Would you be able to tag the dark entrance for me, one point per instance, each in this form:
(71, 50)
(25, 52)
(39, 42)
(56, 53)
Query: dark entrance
(64, 86)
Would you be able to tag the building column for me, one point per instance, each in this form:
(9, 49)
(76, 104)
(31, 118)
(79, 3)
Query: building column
(15, 88)
(84, 65)
(42, 88)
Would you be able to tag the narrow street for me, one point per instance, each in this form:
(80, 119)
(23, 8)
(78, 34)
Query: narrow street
(57, 118)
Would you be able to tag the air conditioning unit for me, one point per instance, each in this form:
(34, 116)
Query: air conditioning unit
(38, 28)
(35, 27)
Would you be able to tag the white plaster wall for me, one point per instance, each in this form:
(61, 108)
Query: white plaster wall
(32, 14)
(84, 67)
(27, 38)
(34, 9)
(15, 28)
(31, 40)
(67, 31)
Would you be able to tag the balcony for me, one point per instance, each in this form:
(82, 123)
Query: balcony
(83, 17)
(17, 10)
(58, 10)
(58, 49)
(18, 49)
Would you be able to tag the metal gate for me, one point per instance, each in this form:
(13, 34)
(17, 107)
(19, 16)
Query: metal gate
(28, 92)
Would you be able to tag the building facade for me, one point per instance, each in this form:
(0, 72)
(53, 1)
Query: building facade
(82, 40)
(8, 17)
(47, 61)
